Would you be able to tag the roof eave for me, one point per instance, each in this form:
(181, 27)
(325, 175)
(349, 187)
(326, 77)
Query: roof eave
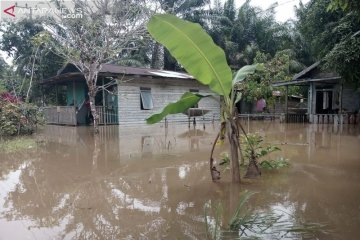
(303, 81)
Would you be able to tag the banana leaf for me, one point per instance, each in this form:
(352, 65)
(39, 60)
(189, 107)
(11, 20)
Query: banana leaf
(194, 49)
(186, 101)
(243, 72)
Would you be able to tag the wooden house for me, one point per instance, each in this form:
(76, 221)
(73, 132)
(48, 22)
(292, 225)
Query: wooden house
(129, 95)
(330, 98)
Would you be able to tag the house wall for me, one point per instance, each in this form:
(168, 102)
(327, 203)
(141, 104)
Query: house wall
(163, 92)
(350, 99)
(79, 91)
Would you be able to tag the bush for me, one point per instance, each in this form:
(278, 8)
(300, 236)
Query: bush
(17, 117)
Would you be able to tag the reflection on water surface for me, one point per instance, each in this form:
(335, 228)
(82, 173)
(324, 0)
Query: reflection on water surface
(149, 182)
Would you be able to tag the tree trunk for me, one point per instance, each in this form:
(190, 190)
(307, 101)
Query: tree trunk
(91, 81)
(94, 113)
(233, 136)
(157, 59)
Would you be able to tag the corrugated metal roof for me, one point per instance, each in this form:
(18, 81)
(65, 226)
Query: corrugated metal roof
(112, 68)
(117, 70)
(306, 70)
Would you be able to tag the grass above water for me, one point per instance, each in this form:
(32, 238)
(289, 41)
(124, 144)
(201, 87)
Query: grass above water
(17, 144)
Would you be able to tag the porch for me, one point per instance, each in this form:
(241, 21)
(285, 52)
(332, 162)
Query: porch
(330, 99)
(66, 101)
(69, 115)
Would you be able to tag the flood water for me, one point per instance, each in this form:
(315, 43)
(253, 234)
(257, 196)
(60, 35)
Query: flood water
(148, 182)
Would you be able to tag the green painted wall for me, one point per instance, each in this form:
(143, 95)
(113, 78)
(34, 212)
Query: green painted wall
(80, 93)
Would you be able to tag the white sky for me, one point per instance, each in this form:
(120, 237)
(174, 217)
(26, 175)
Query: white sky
(284, 11)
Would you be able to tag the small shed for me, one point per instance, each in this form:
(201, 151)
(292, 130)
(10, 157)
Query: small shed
(128, 95)
(330, 99)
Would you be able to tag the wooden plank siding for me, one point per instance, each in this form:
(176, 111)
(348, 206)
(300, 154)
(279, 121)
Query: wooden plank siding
(63, 115)
(163, 92)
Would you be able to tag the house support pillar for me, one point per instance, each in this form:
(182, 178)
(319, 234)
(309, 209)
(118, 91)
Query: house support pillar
(75, 103)
(286, 103)
(312, 102)
(341, 98)
(341, 120)
(103, 100)
(74, 94)
(56, 95)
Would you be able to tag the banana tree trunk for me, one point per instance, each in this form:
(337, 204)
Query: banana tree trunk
(233, 137)
(253, 170)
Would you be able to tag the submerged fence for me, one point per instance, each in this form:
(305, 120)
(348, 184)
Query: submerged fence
(344, 118)
(304, 118)
(289, 118)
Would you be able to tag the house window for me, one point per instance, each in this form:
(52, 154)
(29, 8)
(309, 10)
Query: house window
(146, 102)
(195, 91)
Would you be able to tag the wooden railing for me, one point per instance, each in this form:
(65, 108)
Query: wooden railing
(107, 115)
(66, 115)
(62, 115)
(258, 116)
(289, 118)
(296, 118)
(336, 118)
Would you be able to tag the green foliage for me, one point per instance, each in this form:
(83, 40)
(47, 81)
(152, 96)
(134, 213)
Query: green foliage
(333, 35)
(18, 118)
(244, 32)
(254, 142)
(241, 219)
(344, 58)
(279, 68)
(2, 87)
(275, 164)
(194, 49)
(246, 223)
(186, 101)
(17, 144)
(344, 5)
(18, 41)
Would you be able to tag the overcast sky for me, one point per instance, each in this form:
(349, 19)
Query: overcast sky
(284, 11)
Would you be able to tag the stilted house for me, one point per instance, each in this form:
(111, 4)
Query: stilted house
(128, 96)
(330, 99)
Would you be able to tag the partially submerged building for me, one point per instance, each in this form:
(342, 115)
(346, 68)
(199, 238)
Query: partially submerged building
(330, 99)
(128, 95)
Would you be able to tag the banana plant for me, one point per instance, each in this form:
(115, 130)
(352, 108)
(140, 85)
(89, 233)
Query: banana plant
(195, 50)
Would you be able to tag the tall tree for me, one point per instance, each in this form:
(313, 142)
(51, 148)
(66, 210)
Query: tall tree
(333, 36)
(186, 9)
(31, 62)
(106, 29)
(243, 32)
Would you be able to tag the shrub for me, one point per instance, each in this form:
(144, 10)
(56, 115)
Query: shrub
(17, 117)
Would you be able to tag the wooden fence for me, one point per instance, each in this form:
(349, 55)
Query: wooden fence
(296, 118)
(67, 115)
(62, 115)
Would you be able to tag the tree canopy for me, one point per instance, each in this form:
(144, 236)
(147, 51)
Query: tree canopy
(333, 34)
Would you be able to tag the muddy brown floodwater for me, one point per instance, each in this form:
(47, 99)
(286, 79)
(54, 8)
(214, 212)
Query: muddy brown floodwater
(147, 182)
